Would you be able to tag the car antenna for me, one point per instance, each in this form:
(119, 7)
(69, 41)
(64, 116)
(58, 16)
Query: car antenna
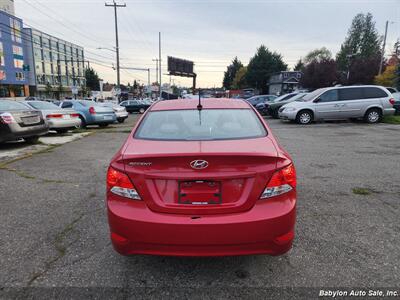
(199, 106)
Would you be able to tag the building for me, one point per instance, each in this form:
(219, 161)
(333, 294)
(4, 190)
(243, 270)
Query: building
(57, 66)
(284, 82)
(13, 70)
(7, 6)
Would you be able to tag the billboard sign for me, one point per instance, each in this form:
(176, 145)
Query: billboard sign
(180, 67)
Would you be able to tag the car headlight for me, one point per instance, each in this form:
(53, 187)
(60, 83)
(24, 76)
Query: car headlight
(289, 109)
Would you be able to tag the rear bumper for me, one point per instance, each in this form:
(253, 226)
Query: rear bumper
(389, 111)
(102, 119)
(268, 228)
(122, 114)
(14, 132)
(64, 123)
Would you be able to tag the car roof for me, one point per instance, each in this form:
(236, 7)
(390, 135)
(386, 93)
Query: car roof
(355, 86)
(207, 103)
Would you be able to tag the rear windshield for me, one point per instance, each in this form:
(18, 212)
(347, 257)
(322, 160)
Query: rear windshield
(11, 105)
(192, 125)
(43, 105)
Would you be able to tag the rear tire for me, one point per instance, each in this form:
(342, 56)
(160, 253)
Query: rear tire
(373, 116)
(83, 122)
(121, 120)
(32, 139)
(103, 125)
(304, 117)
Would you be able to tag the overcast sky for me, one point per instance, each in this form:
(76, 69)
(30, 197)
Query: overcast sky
(209, 32)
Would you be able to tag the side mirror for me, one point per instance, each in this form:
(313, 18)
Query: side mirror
(317, 100)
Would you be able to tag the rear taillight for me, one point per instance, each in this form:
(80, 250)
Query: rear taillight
(92, 111)
(7, 118)
(74, 115)
(54, 116)
(119, 183)
(392, 101)
(282, 181)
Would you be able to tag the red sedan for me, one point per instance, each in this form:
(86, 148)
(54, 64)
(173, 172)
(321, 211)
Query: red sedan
(201, 180)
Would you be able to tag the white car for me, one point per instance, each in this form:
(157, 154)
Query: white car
(370, 102)
(119, 111)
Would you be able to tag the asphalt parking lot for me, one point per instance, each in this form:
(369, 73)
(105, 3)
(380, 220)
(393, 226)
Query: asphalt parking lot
(54, 230)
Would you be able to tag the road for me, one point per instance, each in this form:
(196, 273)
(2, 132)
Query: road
(54, 230)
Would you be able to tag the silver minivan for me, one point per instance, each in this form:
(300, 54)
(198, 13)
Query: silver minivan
(369, 102)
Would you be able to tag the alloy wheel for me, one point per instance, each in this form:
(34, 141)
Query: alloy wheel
(305, 118)
(373, 117)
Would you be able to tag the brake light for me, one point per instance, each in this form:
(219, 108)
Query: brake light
(7, 118)
(119, 183)
(92, 111)
(282, 181)
(74, 115)
(392, 101)
(54, 116)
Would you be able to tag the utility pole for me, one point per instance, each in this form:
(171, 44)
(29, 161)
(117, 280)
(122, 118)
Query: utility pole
(159, 61)
(383, 48)
(115, 5)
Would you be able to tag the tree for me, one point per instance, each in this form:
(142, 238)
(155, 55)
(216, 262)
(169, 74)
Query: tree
(48, 89)
(230, 73)
(239, 81)
(92, 79)
(387, 78)
(397, 80)
(135, 85)
(318, 74)
(299, 65)
(318, 55)
(261, 66)
(85, 91)
(362, 40)
(363, 70)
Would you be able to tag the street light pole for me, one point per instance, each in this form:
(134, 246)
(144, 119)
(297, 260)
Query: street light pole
(156, 60)
(383, 49)
(115, 5)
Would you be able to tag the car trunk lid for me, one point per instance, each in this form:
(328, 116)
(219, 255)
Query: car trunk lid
(26, 118)
(174, 179)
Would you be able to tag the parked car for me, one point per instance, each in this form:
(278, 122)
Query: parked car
(260, 99)
(336, 103)
(54, 101)
(91, 113)
(392, 90)
(119, 111)
(18, 121)
(32, 98)
(135, 106)
(264, 108)
(213, 182)
(396, 104)
(273, 107)
(58, 119)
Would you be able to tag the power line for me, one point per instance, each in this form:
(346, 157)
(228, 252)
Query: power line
(30, 40)
(67, 26)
